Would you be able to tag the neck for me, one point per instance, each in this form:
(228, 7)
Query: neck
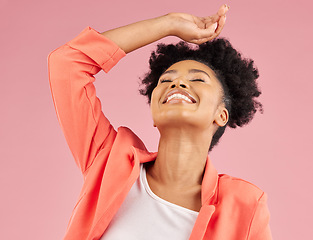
(181, 158)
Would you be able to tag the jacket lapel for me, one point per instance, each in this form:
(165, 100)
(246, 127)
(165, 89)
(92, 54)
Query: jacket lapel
(208, 199)
(202, 222)
(209, 183)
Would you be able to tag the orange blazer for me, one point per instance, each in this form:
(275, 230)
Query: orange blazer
(232, 209)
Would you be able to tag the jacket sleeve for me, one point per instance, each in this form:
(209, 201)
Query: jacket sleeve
(259, 227)
(71, 68)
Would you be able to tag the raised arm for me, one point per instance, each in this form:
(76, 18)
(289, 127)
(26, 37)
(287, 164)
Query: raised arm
(71, 75)
(185, 26)
(72, 68)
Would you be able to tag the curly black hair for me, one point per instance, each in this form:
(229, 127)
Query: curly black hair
(236, 74)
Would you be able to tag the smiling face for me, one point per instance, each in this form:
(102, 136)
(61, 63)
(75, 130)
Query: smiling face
(188, 94)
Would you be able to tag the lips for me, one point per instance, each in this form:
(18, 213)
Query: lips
(179, 94)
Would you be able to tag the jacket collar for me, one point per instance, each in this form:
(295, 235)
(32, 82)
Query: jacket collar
(210, 177)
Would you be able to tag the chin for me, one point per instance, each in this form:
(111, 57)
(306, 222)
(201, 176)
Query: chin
(180, 123)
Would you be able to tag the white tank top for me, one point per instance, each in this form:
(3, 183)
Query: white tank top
(143, 215)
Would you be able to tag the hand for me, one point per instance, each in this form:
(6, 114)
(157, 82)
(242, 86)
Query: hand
(198, 29)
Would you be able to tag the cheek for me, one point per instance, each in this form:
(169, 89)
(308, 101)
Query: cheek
(209, 101)
(155, 96)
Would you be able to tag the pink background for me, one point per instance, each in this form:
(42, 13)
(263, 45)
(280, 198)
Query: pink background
(39, 180)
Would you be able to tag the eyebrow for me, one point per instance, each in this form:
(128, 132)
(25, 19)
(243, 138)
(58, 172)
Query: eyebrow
(198, 71)
(190, 71)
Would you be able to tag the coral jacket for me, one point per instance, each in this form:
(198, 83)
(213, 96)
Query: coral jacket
(232, 208)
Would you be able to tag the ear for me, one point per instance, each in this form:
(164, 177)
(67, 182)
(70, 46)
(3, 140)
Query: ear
(222, 116)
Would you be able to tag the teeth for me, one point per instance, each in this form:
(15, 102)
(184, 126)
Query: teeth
(178, 96)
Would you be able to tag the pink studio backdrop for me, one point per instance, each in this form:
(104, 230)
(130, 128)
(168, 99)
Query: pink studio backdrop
(39, 180)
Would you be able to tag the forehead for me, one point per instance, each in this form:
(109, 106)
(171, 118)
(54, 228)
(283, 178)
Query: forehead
(186, 65)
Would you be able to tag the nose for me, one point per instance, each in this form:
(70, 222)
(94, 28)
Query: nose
(178, 82)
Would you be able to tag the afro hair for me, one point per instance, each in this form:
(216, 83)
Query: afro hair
(236, 74)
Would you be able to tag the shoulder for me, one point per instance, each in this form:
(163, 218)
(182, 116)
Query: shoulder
(242, 208)
(238, 191)
(126, 137)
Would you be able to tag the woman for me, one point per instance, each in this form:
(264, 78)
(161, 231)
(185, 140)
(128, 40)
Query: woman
(175, 193)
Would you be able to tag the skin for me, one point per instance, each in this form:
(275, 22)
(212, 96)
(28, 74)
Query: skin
(186, 129)
(187, 27)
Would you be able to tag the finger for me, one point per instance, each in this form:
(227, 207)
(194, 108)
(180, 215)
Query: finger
(222, 10)
(200, 41)
(218, 30)
(211, 19)
(207, 32)
(212, 28)
(214, 18)
(203, 40)
(220, 26)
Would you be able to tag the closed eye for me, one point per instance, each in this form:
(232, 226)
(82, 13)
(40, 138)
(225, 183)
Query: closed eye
(165, 80)
(197, 80)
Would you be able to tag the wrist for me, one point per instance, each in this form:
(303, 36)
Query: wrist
(174, 23)
(167, 25)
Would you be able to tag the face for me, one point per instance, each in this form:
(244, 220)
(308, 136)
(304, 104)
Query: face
(188, 94)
